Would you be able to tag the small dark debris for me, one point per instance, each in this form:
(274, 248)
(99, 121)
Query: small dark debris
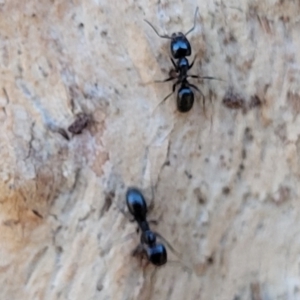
(255, 291)
(81, 25)
(248, 135)
(81, 122)
(233, 100)
(103, 33)
(210, 260)
(244, 153)
(200, 196)
(37, 213)
(255, 102)
(188, 175)
(226, 190)
(107, 203)
(99, 287)
(59, 249)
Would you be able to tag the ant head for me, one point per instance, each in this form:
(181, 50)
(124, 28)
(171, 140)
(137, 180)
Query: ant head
(157, 254)
(180, 46)
(185, 97)
(136, 204)
(148, 237)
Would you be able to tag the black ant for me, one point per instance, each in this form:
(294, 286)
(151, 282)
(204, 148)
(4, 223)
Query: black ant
(180, 48)
(156, 252)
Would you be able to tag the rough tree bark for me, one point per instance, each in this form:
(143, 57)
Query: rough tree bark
(225, 178)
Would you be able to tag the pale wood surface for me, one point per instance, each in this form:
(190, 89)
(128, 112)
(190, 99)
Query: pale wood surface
(225, 180)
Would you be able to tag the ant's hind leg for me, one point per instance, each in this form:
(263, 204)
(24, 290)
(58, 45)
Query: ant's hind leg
(194, 87)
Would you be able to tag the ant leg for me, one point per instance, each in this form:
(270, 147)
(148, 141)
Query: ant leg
(194, 87)
(161, 36)
(204, 77)
(173, 91)
(154, 222)
(168, 244)
(172, 77)
(191, 65)
(137, 250)
(174, 64)
(165, 80)
(141, 251)
(194, 22)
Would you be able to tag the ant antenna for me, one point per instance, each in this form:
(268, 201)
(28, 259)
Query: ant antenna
(161, 36)
(194, 22)
(168, 244)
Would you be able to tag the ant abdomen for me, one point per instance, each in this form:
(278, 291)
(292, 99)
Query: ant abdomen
(185, 99)
(136, 204)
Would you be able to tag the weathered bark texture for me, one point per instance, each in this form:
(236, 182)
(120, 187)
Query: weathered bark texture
(224, 178)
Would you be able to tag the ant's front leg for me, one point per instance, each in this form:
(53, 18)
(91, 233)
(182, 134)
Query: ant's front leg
(174, 64)
(194, 87)
(191, 65)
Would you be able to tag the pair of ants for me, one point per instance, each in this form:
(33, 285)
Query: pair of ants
(180, 48)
